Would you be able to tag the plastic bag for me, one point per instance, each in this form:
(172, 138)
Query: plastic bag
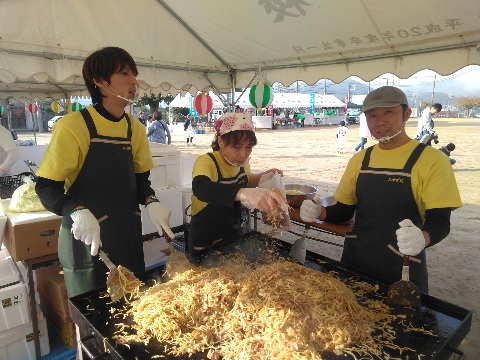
(279, 218)
(25, 198)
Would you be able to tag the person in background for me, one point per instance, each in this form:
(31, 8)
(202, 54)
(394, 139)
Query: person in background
(141, 118)
(447, 150)
(402, 194)
(301, 118)
(157, 130)
(222, 183)
(188, 128)
(341, 136)
(95, 174)
(8, 151)
(425, 132)
(363, 132)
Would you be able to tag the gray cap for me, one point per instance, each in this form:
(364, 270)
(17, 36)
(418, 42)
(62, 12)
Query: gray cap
(386, 96)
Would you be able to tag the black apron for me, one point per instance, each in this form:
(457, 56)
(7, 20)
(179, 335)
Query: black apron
(106, 186)
(216, 223)
(384, 198)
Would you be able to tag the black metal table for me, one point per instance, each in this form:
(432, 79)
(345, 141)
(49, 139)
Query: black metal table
(449, 323)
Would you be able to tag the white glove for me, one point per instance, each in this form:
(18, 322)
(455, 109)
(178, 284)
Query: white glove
(160, 216)
(85, 228)
(311, 209)
(410, 239)
(261, 199)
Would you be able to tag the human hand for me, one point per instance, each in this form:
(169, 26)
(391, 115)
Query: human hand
(86, 228)
(410, 239)
(3, 172)
(262, 199)
(274, 170)
(160, 216)
(310, 210)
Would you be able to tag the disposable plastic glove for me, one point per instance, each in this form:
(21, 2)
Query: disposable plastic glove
(85, 228)
(160, 216)
(410, 239)
(261, 199)
(310, 210)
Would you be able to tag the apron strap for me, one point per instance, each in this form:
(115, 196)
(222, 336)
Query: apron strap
(90, 124)
(414, 157)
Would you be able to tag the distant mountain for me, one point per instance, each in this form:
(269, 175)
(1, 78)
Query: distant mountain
(446, 92)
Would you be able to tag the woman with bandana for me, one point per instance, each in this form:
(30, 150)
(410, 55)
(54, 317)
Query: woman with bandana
(222, 183)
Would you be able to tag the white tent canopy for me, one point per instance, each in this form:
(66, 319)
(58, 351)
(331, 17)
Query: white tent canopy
(185, 46)
(280, 100)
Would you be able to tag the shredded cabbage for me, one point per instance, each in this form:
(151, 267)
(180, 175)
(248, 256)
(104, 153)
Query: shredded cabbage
(25, 198)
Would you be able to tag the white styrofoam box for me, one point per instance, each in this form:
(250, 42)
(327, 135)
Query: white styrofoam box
(9, 274)
(187, 161)
(153, 252)
(170, 198)
(24, 273)
(18, 343)
(186, 201)
(33, 153)
(15, 309)
(166, 172)
(157, 149)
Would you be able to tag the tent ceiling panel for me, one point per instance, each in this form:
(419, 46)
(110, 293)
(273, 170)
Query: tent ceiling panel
(185, 46)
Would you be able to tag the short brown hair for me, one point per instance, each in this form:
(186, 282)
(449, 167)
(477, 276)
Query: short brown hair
(101, 65)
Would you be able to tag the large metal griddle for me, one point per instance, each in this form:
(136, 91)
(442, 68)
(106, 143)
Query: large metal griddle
(448, 322)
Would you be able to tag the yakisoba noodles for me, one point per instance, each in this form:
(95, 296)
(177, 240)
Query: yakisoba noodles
(122, 283)
(279, 310)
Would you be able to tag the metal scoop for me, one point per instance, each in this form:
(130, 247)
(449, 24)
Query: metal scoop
(298, 251)
(404, 292)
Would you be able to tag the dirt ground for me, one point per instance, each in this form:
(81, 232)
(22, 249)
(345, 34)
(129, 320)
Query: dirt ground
(308, 156)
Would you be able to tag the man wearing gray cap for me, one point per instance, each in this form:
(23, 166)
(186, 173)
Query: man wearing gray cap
(401, 192)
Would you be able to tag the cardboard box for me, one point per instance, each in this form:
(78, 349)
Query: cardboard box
(65, 327)
(14, 308)
(52, 289)
(18, 343)
(31, 235)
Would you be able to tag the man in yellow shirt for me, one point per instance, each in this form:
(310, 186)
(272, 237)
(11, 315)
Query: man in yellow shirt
(95, 174)
(402, 194)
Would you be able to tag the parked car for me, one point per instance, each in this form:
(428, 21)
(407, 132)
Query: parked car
(352, 117)
(52, 121)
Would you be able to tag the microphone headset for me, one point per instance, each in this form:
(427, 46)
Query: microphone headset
(386, 139)
(113, 92)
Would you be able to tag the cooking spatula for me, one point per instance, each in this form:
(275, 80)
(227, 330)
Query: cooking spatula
(120, 281)
(298, 251)
(404, 292)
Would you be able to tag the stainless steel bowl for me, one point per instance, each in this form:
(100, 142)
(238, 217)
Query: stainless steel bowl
(307, 193)
(327, 201)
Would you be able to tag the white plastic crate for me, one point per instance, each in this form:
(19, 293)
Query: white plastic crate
(15, 309)
(172, 199)
(18, 343)
(187, 162)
